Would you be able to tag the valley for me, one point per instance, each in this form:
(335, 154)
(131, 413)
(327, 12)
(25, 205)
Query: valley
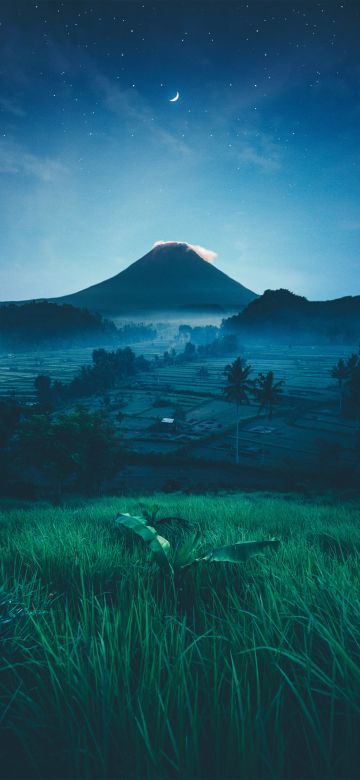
(305, 437)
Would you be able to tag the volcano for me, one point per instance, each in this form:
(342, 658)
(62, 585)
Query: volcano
(171, 277)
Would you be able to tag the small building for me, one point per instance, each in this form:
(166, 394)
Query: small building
(168, 424)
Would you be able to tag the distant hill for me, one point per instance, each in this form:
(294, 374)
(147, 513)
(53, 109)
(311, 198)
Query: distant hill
(45, 324)
(42, 324)
(284, 316)
(171, 277)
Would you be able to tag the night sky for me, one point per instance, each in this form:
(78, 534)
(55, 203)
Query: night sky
(257, 161)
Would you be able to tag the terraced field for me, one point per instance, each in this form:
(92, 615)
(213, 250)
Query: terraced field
(306, 370)
(304, 429)
(18, 370)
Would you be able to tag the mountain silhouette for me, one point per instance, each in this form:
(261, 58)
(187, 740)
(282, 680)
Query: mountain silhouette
(171, 277)
(281, 315)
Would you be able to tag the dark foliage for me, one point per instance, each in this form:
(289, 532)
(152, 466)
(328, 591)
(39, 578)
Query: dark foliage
(10, 415)
(347, 373)
(238, 384)
(41, 323)
(133, 332)
(353, 391)
(199, 335)
(45, 324)
(340, 372)
(189, 350)
(227, 344)
(267, 392)
(106, 370)
(79, 450)
(43, 389)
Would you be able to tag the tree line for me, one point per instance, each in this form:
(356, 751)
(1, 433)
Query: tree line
(225, 345)
(41, 452)
(347, 373)
(45, 324)
(106, 370)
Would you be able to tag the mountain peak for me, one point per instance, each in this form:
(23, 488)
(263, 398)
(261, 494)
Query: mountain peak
(205, 254)
(164, 244)
(174, 275)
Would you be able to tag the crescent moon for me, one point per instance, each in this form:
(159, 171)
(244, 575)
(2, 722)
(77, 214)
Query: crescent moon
(174, 99)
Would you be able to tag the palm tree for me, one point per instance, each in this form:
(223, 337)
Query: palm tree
(237, 389)
(340, 372)
(267, 391)
(352, 362)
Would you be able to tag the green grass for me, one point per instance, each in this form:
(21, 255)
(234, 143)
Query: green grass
(248, 671)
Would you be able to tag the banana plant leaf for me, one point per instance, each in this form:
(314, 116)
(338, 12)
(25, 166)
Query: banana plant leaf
(239, 552)
(185, 553)
(157, 544)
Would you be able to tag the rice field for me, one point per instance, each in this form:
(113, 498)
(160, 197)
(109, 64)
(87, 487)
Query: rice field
(18, 370)
(306, 370)
(111, 670)
(306, 418)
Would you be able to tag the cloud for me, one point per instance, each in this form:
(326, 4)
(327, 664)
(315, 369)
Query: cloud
(207, 254)
(134, 109)
(10, 106)
(16, 159)
(265, 160)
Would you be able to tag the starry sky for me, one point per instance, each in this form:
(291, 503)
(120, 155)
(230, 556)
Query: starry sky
(258, 160)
